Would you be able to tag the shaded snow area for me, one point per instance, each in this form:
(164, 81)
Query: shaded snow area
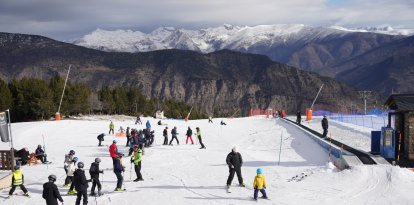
(184, 174)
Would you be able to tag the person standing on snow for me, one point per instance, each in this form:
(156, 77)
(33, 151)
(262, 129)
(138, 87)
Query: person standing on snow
(50, 191)
(81, 184)
(111, 127)
(148, 126)
(235, 162)
(138, 121)
(325, 126)
(69, 177)
(174, 136)
(199, 138)
(68, 159)
(298, 118)
(165, 134)
(113, 151)
(137, 162)
(118, 170)
(94, 171)
(189, 134)
(210, 119)
(259, 184)
(18, 180)
(128, 136)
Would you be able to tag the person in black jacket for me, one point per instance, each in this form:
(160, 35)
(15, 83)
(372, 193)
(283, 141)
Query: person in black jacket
(128, 136)
(118, 170)
(235, 161)
(50, 191)
(174, 136)
(165, 134)
(100, 138)
(40, 154)
(81, 184)
(298, 118)
(189, 134)
(325, 126)
(94, 172)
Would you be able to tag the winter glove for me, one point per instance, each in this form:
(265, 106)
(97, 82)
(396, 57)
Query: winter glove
(231, 166)
(264, 187)
(101, 171)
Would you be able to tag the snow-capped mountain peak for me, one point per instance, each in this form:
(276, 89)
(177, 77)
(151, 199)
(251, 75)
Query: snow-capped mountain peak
(215, 38)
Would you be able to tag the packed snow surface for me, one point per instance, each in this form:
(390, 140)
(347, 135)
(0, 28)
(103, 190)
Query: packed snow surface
(184, 174)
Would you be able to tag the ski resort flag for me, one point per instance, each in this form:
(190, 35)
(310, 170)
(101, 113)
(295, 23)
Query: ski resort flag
(4, 129)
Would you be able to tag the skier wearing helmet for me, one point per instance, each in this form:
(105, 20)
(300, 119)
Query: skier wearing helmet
(18, 180)
(234, 160)
(50, 191)
(94, 171)
(81, 184)
(174, 136)
(69, 177)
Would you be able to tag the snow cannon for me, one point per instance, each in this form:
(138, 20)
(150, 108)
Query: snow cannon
(308, 114)
(57, 116)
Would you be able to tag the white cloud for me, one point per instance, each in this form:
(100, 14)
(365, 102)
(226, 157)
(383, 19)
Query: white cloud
(67, 19)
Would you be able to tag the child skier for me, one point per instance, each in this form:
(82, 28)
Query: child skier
(189, 134)
(69, 177)
(101, 138)
(121, 129)
(128, 136)
(137, 163)
(68, 160)
(40, 154)
(165, 134)
(118, 170)
(199, 138)
(81, 184)
(259, 184)
(174, 136)
(18, 180)
(94, 171)
(51, 192)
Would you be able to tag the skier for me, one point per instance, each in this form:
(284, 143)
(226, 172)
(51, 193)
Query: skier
(133, 141)
(189, 134)
(222, 123)
(118, 170)
(101, 138)
(81, 184)
(137, 163)
(138, 121)
(165, 134)
(199, 138)
(18, 180)
(259, 184)
(325, 126)
(69, 177)
(174, 136)
(113, 151)
(68, 160)
(121, 129)
(40, 154)
(111, 127)
(51, 192)
(148, 125)
(298, 118)
(235, 161)
(128, 136)
(210, 119)
(94, 171)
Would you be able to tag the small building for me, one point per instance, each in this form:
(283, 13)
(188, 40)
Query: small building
(159, 114)
(403, 125)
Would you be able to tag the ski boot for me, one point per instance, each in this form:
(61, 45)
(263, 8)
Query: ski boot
(72, 192)
(67, 185)
(119, 189)
(242, 185)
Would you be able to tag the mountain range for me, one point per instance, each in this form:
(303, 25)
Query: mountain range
(330, 51)
(223, 81)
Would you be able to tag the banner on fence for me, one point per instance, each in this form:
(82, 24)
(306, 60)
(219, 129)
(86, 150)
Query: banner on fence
(4, 129)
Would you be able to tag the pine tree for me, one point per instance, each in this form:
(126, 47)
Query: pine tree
(6, 98)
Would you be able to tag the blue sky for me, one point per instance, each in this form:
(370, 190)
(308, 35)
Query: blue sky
(70, 19)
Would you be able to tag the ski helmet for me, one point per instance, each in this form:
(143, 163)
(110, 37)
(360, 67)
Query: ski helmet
(52, 177)
(98, 160)
(75, 159)
(71, 152)
(234, 149)
(39, 146)
(80, 165)
(114, 141)
(259, 171)
(17, 167)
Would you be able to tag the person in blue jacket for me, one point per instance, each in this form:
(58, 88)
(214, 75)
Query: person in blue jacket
(118, 170)
(148, 125)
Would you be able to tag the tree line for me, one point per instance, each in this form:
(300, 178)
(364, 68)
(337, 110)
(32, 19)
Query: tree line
(32, 99)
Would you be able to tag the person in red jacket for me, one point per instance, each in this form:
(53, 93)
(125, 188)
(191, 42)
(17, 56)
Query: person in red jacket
(113, 151)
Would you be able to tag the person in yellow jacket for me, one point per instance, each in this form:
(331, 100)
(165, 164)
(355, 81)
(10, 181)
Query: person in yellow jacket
(259, 184)
(111, 127)
(18, 180)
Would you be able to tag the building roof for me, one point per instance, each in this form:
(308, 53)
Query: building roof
(401, 102)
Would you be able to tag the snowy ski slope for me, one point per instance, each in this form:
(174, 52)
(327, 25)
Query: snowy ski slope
(185, 174)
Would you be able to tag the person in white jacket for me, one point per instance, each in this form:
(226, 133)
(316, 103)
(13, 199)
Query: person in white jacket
(71, 171)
